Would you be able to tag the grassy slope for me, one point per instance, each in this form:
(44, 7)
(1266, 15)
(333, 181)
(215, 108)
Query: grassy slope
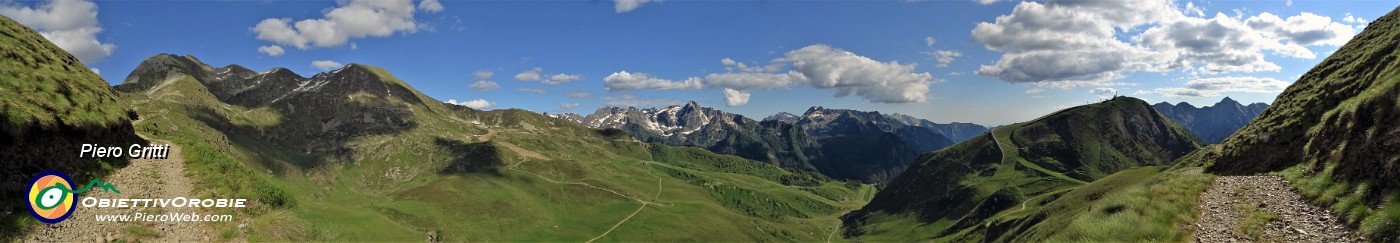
(563, 183)
(50, 103)
(983, 180)
(1140, 204)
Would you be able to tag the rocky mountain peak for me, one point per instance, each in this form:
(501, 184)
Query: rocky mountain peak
(1227, 102)
(783, 117)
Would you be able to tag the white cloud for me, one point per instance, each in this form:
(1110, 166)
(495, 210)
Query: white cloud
(69, 24)
(561, 78)
(1305, 29)
(326, 65)
(483, 74)
(1238, 84)
(986, 2)
(431, 6)
(478, 104)
(529, 75)
(928, 41)
(1185, 92)
(848, 73)
(745, 81)
(1354, 19)
(1211, 87)
(485, 85)
(735, 97)
(566, 106)
(944, 57)
(272, 50)
(532, 90)
(623, 6)
(630, 100)
(623, 80)
(819, 66)
(1071, 43)
(731, 65)
(95, 71)
(351, 19)
(1103, 91)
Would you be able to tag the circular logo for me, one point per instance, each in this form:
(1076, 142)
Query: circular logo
(50, 197)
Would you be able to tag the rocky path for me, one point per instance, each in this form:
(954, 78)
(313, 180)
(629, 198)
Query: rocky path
(1264, 208)
(143, 178)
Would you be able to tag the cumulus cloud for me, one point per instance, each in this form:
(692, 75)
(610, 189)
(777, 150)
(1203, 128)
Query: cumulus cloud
(69, 24)
(561, 78)
(623, 6)
(755, 80)
(529, 75)
(623, 80)
(928, 41)
(1211, 87)
(483, 74)
(326, 65)
(566, 106)
(735, 97)
(351, 19)
(431, 6)
(1304, 29)
(880, 82)
(944, 57)
(1354, 19)
(95, 71)
(730, 65)
(819, 66)
(478, 104)
(1072, 43)
(532, 90)
(272, 50)
(485, 85)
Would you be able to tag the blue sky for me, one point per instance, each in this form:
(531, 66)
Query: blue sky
(877, 53)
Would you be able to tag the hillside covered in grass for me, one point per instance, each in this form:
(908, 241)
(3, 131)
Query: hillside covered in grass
(357, 154)
(1335, 133)
(51, 105)
(956, 193)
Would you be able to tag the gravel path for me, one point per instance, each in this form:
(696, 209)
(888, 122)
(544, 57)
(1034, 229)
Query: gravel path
(1227, 204)
(143, 178)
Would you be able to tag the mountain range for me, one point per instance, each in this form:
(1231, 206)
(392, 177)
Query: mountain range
(839, 143)
(356, 154)
(1212, 123)
(329, 155)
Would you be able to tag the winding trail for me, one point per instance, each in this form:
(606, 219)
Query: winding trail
(527, 154)
(1009, 149)
(143, 178)
(1227, 205)
(639, 209)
